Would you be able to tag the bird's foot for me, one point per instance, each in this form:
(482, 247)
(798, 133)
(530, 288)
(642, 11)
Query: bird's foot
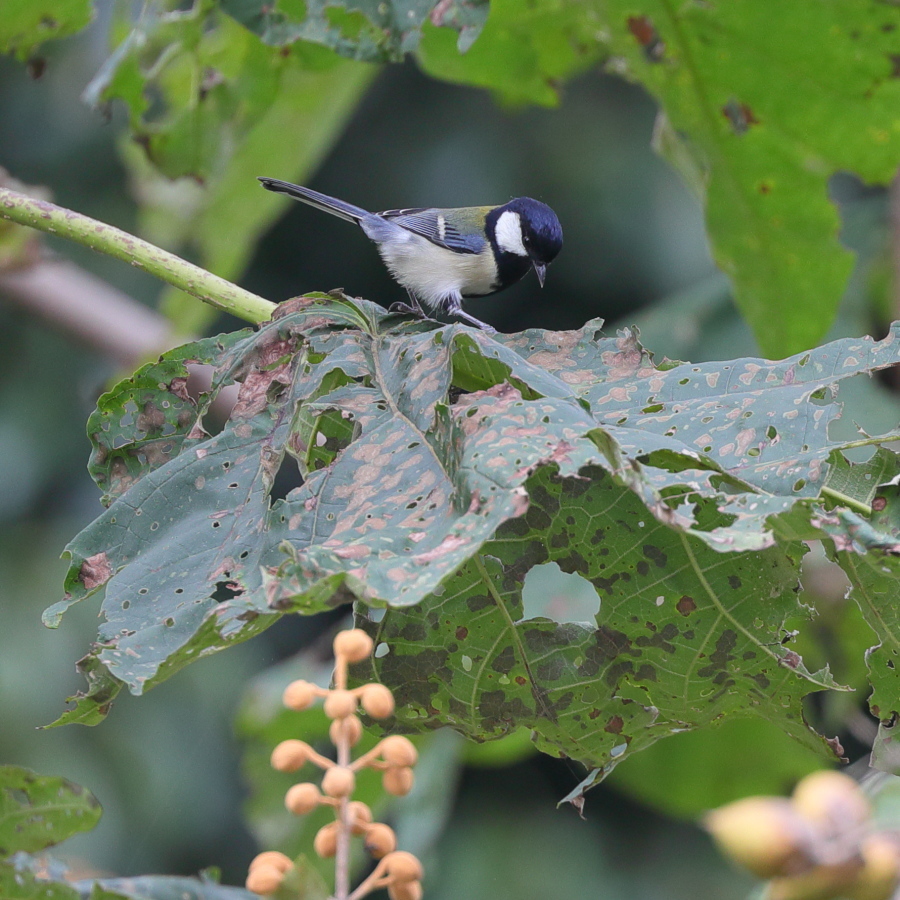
(416, 311)
(487, 329)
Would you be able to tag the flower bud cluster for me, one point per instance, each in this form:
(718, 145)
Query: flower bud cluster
(394, 757)
(820, 844)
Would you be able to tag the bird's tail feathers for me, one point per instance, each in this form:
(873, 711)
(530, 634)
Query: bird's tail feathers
(332, 205)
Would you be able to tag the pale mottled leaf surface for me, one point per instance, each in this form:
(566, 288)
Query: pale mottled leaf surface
(26, 877)
(436, 466)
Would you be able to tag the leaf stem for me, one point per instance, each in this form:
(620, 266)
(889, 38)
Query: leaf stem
(846, 500)
(105, 238)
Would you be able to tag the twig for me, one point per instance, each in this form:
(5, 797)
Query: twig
(103, 318)
(79, 304)
(104, 238)
(342, 852)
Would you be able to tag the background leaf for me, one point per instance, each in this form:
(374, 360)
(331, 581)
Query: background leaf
(227, 108)
(38, 811)
(365, 29)
(771, 101)
(26, 24)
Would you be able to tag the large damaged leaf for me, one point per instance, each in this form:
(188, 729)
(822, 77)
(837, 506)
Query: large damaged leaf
(432, 468)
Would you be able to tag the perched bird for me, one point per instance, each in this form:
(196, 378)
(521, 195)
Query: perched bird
(443, 255)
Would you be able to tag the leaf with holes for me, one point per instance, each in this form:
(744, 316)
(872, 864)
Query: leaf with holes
(38, 811)
(371, 30)
(428, 468)
(684, 635)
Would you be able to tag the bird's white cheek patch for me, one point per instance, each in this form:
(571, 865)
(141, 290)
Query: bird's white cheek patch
(509, 233)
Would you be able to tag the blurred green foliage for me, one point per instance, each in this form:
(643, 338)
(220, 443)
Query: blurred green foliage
(164, 767)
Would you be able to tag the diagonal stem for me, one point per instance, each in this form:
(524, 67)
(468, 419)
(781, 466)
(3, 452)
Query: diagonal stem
(103, 238)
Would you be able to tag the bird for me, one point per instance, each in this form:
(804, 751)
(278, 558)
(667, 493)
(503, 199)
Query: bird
(442, 256)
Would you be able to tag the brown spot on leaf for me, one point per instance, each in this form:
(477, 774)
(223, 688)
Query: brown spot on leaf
(655, 555)
(152, 418)
(462, 633)
(614, 725)
(894, 59)
(95, 570)
(253, 396)
(646, 35)
(720, 657)
(504, 661)
(36, 66)
(740, 115)
(178, 387)
(686, 605)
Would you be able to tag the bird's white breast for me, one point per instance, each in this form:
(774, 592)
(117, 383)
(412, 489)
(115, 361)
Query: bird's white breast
(435, 274)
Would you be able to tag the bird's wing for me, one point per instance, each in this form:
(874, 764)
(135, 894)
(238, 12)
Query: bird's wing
(432, 225)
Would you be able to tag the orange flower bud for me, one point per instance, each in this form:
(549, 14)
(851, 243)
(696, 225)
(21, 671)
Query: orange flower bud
(338, 781)
(377, 701)
(290, 755)
(340, 704)
(763, 834)
(398, 751)
(398, 780)
(299, 695)
(353, 645)
(302, 798)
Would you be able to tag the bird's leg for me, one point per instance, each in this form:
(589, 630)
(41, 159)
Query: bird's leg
(412, 308)
(455, 309)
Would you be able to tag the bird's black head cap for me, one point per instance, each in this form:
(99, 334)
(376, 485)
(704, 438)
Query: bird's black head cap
(541, 232)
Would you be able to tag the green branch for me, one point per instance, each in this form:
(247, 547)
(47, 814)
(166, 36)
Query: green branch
(166, 266)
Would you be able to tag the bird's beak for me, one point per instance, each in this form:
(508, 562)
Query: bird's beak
(541, 271)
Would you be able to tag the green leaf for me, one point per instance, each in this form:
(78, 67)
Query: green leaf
(676, 644)
(17, 882)
(26, 24)
(860, 482)
(524, 52)
(229, 108)
(435, 467)
(771, 100)
(371, 30)
(38, 811)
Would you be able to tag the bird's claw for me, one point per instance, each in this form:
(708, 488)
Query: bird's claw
(406, 308)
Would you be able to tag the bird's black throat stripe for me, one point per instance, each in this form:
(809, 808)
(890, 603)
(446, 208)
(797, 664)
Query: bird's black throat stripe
(510, 266)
